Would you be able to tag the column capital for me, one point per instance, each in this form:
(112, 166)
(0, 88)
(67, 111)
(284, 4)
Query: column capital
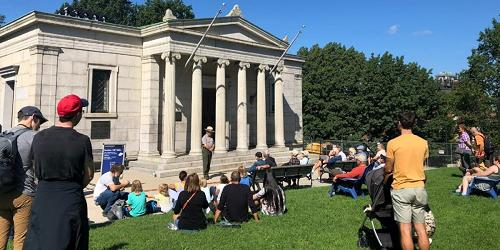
(278, 71)
(263, 67)
(199, 60)
(222, 62)
(244, 65)
(171, 56)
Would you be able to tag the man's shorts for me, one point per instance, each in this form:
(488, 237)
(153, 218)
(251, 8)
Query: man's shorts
(409, 204)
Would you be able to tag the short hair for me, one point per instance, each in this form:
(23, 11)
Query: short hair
(182, 175)
(224, 179)
(192, 183)
(360, 157)
(203, 182)
(496, 158)
(407, 120)
(163, 189)
(258, 154)
(117, 168)
(136, 186)
(243, 171)
(235, 176)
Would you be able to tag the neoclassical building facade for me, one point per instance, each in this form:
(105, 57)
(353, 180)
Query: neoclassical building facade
(143, 91)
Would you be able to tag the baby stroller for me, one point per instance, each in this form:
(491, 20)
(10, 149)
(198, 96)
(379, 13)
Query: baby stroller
(386, 237)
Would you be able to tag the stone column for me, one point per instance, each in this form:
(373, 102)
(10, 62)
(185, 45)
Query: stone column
(148, 143)
(261, 107)
(242, 139)
(220, 107)
(279, 135)
(168, 136)
(196, 105)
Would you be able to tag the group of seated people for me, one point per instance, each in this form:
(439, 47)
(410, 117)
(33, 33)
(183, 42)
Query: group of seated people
(191, 199)
(359, 155)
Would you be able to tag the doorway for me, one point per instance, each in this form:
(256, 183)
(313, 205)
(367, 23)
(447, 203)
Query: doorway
(208, 110)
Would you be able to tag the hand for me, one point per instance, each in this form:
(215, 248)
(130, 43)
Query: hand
(125, 183)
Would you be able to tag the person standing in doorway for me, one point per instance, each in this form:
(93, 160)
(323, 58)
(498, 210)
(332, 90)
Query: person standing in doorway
(406, 155)
(207, 145)
(63, 166)
(16, 200)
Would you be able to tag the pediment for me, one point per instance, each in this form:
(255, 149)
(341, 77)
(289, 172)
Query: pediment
(235, 28)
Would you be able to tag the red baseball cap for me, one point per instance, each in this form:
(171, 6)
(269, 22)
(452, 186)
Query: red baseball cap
(70, 105)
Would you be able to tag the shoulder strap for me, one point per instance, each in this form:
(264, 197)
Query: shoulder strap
(185, 204)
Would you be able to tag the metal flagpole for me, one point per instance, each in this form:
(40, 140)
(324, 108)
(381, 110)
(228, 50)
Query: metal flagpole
(290, 45)
(203, 37)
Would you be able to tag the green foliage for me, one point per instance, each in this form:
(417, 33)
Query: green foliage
(314, 221)
(126, 13)
(349, 96)
(476, 100)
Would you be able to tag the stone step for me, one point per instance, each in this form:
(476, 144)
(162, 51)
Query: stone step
(163, 171)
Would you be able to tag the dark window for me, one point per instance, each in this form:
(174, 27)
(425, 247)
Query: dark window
(100, 91)
(100, 130)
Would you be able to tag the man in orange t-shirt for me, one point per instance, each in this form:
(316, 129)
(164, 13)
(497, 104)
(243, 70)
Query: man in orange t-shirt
(479, 151)
(406, 155)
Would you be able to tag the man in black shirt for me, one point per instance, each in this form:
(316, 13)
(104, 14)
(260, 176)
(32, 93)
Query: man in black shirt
(269, 159)
(63, 166)
(235, 200)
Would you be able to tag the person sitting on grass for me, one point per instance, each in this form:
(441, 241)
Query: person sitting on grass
(272, 197)
(356, 172)
(174, 189)
(136, 200)
(208, 191)
(109, 188)
(218, 190)
(163, 199)
(245, 178)
(493, 172)
(189, 210)
(235, 201)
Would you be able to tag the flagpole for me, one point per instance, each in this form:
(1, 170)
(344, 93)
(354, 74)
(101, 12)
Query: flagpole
(290, 45)
(203, 37)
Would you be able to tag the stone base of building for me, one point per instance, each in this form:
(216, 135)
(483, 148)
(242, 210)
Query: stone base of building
(224, 162)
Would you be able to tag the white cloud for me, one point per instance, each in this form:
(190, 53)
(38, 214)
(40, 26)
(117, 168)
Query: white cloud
(393, 29)
(422, 33)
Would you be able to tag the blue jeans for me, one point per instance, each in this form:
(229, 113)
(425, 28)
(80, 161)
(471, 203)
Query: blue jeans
(107, 198)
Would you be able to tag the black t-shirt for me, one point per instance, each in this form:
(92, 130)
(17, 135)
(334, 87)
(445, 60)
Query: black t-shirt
(60, 154)
(271, 162)
(234, 202)
(192, 216)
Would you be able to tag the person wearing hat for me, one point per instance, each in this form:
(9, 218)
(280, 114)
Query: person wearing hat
(64, 166)
(15, 205)
(207, 149)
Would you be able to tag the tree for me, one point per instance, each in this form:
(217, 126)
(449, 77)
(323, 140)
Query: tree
(347, 96)
(125, 12)
(2, 19)
(153, 11)
(476, 101)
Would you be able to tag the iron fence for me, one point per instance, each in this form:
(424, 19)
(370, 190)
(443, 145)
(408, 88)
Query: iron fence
(440, 154)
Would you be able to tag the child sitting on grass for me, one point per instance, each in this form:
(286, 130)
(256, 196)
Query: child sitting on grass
(136, 200)
(163, 198)
(245, 178)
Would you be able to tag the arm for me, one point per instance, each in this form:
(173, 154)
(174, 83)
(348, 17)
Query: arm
(487, 172)
(178, 207)
(357, 171)
(113, 187)
(89, 164)
(388, 168)
(221, 205)
(216, 215)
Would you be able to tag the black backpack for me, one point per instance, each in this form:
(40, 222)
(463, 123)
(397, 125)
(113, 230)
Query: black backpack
(9, 157)
(488, 147)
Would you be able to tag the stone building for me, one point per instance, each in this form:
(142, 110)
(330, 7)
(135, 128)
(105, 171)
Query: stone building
(139, 89)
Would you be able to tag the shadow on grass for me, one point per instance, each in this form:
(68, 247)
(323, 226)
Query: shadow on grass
(117, 246)
(99, 225)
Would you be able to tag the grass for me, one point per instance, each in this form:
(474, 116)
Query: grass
(316, 222)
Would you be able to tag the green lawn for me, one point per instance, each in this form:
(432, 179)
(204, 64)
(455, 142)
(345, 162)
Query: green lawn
(314, 221)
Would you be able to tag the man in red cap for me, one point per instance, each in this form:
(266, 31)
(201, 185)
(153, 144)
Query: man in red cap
(64, 166)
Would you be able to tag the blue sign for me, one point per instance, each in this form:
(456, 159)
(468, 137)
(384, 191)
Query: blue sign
(112, 154)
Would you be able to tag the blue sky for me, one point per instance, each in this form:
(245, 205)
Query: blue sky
(438, 35)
